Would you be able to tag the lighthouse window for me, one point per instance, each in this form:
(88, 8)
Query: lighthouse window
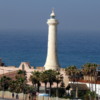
(53, 17)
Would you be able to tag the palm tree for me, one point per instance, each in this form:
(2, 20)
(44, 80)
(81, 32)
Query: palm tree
(26, 90)
(71, 71)
(51, 74)
(35, 79)
(20, 80)
(32, 92)
(5, 83)
(44, 79)
(89, 70)
(74, 74)
(58, 79)
(12, 86)
(19, 85)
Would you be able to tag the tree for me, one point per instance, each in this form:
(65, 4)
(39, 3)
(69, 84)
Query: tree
(19, 84)
(27, 90)
(71, 72)
(12, 86)
(20, 81)
(90, 95)
(44, 79)
(89, 71)
(51, 75)
(35, 79)
(74, 74)
(32, 92)
(21, 73)
(5, 83)
(58, 79)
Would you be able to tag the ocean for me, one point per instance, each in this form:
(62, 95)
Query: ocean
(74, 47)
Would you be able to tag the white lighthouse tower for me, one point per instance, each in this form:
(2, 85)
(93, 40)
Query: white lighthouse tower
(52, 59)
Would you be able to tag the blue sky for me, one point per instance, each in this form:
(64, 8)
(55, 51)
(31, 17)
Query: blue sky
(32, 14)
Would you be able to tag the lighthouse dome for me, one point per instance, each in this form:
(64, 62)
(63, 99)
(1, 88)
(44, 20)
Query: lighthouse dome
(52, 15)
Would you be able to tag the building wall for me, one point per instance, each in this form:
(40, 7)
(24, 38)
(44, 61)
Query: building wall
(91, 86)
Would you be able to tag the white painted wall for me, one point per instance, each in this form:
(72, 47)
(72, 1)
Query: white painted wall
(92, 87)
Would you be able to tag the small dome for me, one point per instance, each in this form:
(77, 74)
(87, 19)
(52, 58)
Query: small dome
(52, 15)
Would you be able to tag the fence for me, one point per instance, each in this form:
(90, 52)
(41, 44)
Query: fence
(22, 96)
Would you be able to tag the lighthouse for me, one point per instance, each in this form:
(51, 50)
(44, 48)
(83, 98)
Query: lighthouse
(52, 58)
